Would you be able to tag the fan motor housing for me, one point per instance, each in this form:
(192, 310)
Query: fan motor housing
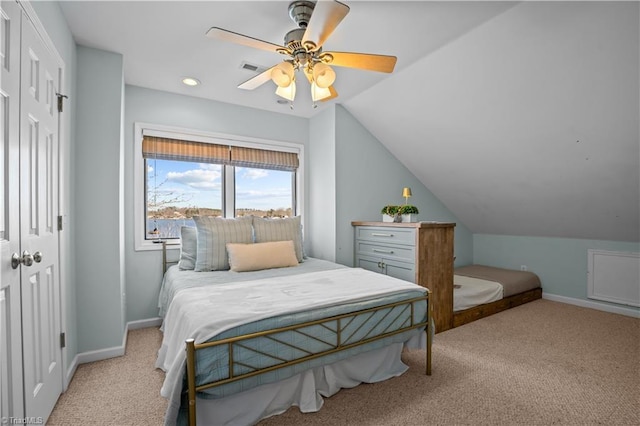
(300, 12)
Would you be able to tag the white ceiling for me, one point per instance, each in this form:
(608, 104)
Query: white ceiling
(521, 117)
(162, 41)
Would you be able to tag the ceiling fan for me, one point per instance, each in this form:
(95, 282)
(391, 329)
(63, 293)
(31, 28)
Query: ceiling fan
(303, 49)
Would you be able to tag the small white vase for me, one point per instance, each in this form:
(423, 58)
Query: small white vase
(410, 217)
(387, 218)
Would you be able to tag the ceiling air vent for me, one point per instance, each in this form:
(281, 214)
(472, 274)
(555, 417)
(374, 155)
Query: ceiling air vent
(252, 67)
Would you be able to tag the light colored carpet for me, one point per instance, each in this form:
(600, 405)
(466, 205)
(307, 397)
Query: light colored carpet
(542, 363)
(116, 391)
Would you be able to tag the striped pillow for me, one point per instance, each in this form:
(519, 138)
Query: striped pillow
(213, 235)
(189, 248)
(289, 229)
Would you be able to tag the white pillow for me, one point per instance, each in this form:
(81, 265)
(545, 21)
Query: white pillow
(254, 257)
(213, 235)
(289, 229)
(189, 248)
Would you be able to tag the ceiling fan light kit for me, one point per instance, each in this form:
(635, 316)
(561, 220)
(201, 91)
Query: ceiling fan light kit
(287, 92)
(323, 75)
(283, 74)
(316, 21)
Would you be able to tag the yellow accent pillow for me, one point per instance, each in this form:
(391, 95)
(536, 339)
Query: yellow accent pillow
(257, 256)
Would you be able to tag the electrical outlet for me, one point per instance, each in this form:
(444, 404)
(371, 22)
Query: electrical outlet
(523, 267)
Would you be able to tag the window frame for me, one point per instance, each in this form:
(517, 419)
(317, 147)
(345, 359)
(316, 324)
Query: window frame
(228, 189)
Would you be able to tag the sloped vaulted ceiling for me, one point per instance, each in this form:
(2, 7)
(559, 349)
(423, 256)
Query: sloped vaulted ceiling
(527, 125)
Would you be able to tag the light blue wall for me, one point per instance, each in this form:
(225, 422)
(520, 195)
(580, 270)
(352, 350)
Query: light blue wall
(369, 177)
(56, 27)
(98, 209)
(561, 263)
(143, 268)
(320, 238)
(352, 176)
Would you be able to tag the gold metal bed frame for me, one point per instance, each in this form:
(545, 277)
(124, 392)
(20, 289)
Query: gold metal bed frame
(342, 321)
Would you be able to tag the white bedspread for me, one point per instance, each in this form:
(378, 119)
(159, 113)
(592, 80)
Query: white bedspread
(469, 292)
(202, 313)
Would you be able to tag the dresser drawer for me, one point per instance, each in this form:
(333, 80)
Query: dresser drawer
(405, 236)
(407, 253)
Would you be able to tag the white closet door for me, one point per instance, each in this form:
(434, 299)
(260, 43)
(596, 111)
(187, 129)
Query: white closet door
(30, 353)
(42, 354)
(11, 395)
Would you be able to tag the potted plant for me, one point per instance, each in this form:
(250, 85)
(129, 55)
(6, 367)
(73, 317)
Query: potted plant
(408, 213)
(390, 213)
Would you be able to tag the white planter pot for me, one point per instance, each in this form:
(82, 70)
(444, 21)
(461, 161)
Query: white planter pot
(387, 218)
(410, 217)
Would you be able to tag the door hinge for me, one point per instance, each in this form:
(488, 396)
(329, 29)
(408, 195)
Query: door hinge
(60, 99)
(63, 340)
(59, 223)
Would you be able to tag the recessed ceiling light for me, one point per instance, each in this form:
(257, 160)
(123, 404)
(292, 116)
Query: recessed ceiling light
(190, 81)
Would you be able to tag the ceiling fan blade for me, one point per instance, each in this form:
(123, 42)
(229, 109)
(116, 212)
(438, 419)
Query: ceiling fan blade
(226, 35)
(334, 94)
(363, 61)
(325, 18)
(257, 81)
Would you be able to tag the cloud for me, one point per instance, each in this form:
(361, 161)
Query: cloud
(149, 168)
(254, 174)
(202, 179)
(268, 198)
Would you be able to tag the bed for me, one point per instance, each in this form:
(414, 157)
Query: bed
(480, 291)
(241, 346)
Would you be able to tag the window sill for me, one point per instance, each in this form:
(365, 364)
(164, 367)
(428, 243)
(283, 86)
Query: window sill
(151, 246)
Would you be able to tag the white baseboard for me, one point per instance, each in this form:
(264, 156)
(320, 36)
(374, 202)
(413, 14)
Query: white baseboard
(145, 323)
(115, 351)
(71, 371)
(593, 305)
(101, 354)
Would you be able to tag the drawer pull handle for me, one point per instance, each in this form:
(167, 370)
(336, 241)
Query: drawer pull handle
(383, 251)
(377, 234)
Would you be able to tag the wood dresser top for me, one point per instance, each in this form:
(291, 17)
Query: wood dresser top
(406, 224)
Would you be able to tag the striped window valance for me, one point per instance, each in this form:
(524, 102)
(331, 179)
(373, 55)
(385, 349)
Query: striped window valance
(263, 158)
(201, 152)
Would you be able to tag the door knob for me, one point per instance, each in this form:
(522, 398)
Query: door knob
(26, 259)
(37, 257)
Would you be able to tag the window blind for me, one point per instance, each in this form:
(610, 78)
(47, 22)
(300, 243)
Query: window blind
(263, 158)
(174, 149)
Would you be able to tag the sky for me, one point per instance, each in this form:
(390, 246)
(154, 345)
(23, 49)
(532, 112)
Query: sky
(187, 184)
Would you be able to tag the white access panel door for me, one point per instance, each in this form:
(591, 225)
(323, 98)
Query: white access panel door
(614, 276)
(11, 399)
(40, 286)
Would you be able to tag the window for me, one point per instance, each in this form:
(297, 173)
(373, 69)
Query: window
(264, 192)
(181, 174)
(178, 190)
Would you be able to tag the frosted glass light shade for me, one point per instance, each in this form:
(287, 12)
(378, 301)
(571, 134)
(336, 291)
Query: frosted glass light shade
(288, 92)
(323, 75)
(318, 93)
(282, 74)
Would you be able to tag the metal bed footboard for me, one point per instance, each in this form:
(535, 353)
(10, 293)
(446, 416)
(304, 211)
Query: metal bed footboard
(342, 343)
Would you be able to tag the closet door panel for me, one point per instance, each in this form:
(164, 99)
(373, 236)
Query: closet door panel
(11, 390)
(42, 354)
